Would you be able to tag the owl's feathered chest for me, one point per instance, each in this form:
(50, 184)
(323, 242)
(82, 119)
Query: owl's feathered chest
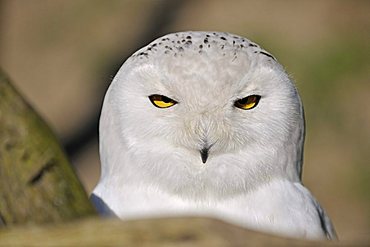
(278, 207)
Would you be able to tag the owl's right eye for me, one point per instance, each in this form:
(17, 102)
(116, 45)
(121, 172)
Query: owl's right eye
(248, 102)
(161, 101)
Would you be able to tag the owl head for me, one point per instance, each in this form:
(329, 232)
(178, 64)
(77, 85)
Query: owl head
(201, 113)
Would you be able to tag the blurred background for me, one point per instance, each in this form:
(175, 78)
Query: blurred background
(63, 54)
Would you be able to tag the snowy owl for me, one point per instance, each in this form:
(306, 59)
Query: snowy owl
(206, 124)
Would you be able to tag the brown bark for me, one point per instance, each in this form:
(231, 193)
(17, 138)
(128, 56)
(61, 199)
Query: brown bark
(37, 183)
(154, 232)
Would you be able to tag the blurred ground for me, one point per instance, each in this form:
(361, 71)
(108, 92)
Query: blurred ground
(60, 55)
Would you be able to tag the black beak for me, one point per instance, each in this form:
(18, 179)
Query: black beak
(204, 154)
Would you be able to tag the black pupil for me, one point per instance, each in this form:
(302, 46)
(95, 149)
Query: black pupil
(166, 100)
(246, 100)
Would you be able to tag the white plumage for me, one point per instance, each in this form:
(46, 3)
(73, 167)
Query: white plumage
(208, 124)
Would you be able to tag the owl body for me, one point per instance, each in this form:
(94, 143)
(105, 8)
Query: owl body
(206, 124)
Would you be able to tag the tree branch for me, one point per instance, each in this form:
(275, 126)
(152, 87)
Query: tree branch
(37, 183)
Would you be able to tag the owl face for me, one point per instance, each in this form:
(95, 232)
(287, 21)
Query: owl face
(202, 105)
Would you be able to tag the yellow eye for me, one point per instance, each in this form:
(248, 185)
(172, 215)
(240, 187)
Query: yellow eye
(161, 101)
(248, 102)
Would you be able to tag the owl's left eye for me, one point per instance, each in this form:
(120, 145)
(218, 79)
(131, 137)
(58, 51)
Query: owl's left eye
(248, 102)
(161, 101)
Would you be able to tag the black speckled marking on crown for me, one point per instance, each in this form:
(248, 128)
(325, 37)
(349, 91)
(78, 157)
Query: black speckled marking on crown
(178, 43)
